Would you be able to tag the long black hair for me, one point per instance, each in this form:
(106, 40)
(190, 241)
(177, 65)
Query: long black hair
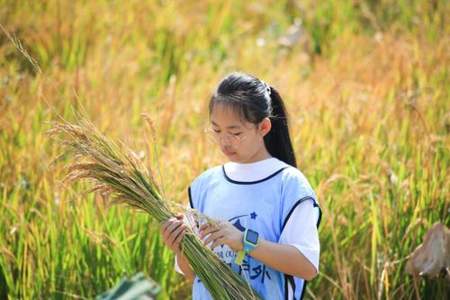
(255, 100)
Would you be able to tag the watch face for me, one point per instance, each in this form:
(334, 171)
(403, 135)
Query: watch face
(252, 236)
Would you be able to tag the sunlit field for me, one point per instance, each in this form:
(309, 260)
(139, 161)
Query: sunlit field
(366, 83)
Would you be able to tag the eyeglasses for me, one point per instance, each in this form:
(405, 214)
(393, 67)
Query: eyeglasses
(228, 138)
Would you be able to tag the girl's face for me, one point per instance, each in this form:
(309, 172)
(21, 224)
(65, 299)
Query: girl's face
(240, 140)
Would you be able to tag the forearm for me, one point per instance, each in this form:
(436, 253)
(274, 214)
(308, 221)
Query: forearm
(185, 267)
(284, 258)
(281, 257)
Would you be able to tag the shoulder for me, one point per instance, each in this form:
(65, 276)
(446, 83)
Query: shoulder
(207, 175)
(200, 183)
(297, 190)
(199, 186)
(294, 181)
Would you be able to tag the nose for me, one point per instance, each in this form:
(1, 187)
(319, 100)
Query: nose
(225, 141)
(227, 148)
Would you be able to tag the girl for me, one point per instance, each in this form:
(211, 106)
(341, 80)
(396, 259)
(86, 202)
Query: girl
(266, 210)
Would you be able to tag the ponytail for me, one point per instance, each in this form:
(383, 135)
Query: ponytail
(278, 141)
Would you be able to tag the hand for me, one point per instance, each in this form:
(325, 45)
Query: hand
(222, 233)
(173, 231)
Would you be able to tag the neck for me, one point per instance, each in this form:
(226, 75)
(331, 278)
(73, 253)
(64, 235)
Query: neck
(259, 155)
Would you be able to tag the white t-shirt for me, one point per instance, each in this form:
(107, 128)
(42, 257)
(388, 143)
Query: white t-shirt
(301, 229)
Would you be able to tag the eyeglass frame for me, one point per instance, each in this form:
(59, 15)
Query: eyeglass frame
(234, 139)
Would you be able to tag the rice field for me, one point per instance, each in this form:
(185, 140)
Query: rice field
(367, 85)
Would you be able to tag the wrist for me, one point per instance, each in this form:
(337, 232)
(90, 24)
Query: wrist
(179, 253)
(241, 242)
(250, 240)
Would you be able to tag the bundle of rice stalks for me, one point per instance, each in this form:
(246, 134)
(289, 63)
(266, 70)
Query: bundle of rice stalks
(116, 171)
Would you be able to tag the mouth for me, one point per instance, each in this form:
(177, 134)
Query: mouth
(228, 153)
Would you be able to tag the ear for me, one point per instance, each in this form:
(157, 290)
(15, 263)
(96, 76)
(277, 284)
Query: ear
(265, 126)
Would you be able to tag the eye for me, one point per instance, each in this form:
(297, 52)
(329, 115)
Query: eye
(216, 130)
(237, 133)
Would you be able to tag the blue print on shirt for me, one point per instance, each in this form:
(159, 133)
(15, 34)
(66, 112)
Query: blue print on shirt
(238, 224)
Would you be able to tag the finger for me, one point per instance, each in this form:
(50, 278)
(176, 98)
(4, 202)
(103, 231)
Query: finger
(179, 216)
(164, 232)
(203, 226)
(212, 237)
(215, 224)
(175, 233)
(174, 226)
(175, 236)
(208, 230)
(179, 239)
(166, 224)
(218, 242)
(168, 231)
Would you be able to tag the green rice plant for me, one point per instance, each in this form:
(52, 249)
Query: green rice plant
(116, 171)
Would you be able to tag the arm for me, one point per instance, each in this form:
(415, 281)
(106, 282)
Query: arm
(184, 266)
(296, 253)
(284, 258)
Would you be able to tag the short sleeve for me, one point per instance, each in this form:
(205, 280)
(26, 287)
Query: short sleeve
(177, 267)
(188, 206)
(300, 215)
(198, 188)
(301, 231)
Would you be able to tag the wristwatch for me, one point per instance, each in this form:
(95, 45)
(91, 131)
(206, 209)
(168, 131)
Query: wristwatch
(250, 241)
